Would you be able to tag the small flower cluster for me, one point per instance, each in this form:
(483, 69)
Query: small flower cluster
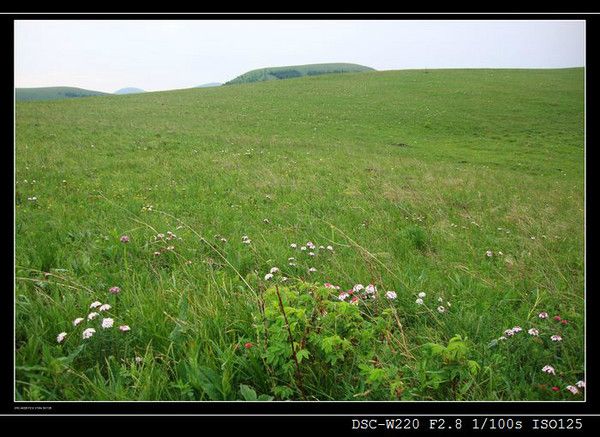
(164, 238)
(246, 240)
(311, 248)
(97, 307)
(220, 238)
(534, 332)
(440, 309)
(168, 237)
(511, 332)
(359, 291)
(574, 389)
(272, 273)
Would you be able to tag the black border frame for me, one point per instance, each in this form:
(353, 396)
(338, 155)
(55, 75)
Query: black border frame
(364, 409)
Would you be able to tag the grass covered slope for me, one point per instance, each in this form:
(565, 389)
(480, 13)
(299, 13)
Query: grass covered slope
(294, 71)
(53, 93)
(410, 176)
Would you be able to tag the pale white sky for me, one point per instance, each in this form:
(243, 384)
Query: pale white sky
(167, 54)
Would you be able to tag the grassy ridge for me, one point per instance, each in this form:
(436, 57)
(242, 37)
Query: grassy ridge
(53, 93)
(410, 176)
(295, 71)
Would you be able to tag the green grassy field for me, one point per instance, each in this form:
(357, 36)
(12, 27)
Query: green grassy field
(296, 71)
(53, 93)
(410, 176)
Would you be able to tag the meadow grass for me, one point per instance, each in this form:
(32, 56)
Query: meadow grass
(410, 176)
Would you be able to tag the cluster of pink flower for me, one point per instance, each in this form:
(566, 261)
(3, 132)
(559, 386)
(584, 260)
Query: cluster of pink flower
(534, 332)
(358, 292)
(574, 389)
(96, 308)
(579, 385)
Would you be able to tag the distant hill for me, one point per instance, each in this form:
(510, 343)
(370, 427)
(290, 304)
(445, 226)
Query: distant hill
(129, 90)
(292, 71)
(54, 93)
(208, 85)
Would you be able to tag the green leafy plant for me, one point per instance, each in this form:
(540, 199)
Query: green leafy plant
(306, 329)
(446, 369)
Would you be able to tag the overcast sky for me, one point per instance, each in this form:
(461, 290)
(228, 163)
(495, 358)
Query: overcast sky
(160, 55)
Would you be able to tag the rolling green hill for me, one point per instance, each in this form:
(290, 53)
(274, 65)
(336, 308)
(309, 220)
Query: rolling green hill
(293, 71)
(458, 193)
(54, 93)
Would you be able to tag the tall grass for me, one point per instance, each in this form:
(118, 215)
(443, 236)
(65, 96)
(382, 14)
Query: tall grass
(410, 176)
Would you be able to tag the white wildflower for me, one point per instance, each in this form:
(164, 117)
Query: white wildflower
(107, 323)
(88, 333)
(572, 389)
(549, 369)
(343, 296)
(358, 287)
